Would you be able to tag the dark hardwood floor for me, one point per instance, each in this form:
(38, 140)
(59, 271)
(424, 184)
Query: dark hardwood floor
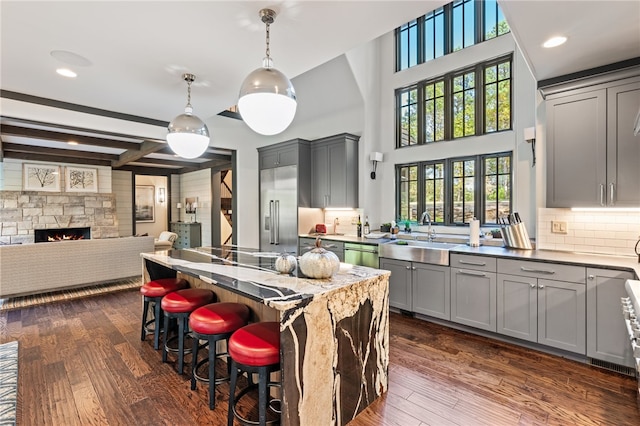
(82, 363)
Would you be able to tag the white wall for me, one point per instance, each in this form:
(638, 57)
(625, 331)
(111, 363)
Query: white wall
(160, 223)
(122, 182)
(198, 184)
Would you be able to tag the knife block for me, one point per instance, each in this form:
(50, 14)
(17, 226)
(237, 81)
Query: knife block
(516, 236)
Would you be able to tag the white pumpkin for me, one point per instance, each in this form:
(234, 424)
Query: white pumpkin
(286, 263)
(319, 263)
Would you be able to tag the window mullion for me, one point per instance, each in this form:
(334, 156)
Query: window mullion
(448, 28)
(420, 112)
(448, 109)
(479, 21)
(421, 44)
(480, 99)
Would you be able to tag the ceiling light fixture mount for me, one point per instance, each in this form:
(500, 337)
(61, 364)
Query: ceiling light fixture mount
(187, 135)
(267, 100)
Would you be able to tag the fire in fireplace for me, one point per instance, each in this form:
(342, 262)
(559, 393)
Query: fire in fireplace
(62, 234)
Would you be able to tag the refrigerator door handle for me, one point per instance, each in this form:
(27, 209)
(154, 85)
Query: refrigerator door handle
(271, 208)
(277, 223)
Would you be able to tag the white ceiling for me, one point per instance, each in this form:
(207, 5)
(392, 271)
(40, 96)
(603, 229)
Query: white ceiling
(139, 50)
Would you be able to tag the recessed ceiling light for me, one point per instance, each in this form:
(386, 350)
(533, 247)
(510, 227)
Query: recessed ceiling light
(554, 41)
(72, 143)
(66, 72)
(70, 58)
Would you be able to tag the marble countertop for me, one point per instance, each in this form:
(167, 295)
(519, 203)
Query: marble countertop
(251, 274)
(347, 238)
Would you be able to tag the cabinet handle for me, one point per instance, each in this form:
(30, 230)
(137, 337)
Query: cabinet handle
(533, 286)
(472, 273)
(592, 277)
(408, 267)
(540, 286)
(602, 194)
(537, 271)
(466, 262)
(612, 187)
(413, 268)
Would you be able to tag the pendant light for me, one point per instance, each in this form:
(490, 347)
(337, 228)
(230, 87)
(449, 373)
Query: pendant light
(267, 98)
(188, 136)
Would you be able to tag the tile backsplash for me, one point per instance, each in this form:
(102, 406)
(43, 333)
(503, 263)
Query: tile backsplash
(602, 232)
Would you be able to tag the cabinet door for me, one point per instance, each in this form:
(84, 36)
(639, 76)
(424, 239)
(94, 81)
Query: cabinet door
(399, 283)
(517, 307)
(431, 288)
(607, 337)
(576, 149)
(473, 298)
(562, 315)
(319, 176)
(623, 148)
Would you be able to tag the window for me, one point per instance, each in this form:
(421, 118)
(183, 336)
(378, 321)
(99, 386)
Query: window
(448, 29)
(454, 191)
(468, 102)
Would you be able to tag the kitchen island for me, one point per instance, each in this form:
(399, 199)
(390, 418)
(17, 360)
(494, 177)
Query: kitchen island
(334, 333)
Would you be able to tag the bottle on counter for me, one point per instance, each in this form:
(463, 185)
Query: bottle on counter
(367, 228)
(359, 227)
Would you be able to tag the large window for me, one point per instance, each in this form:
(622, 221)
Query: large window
(455, 190)
(469, 102)
(447, 29)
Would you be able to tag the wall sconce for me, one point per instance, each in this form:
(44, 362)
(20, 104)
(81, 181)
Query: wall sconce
(375, 158)
(530, 137)
(194, 206)
(161, 195)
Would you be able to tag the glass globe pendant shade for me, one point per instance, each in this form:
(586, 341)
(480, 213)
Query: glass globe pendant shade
(188, 136)
(267, 101)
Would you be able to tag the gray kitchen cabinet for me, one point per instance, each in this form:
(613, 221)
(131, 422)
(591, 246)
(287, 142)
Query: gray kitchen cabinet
(419, 287)
(279, 155)
(334, 171)
(591, 151)
(607, 338)
(399, 283)
(473, 291)
(189, 234)
(431, 290)
(306, 244)
(559, 303)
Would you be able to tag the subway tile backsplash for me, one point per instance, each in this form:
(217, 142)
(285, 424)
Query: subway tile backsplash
(608, 232)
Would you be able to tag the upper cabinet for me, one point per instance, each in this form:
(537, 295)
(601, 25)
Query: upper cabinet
(334, 171)
(294, 152)
(592, 154)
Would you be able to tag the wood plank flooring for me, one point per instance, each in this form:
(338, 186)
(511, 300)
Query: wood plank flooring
(82, 363)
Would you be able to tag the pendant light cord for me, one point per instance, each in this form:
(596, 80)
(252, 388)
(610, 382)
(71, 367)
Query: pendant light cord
(268, 16)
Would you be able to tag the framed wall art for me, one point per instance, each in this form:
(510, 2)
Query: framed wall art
(41, 177)
(79, 179)
(145, 203)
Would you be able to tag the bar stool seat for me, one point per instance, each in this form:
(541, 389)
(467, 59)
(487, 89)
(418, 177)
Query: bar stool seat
(179, 305)
(254, 348)
(214, 322)
(153, 292)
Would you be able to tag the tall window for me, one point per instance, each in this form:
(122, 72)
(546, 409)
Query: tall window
(497, 97)
(434, 111)
(468, 102)
(447, 29)
(407, 178)
(463, 24)
(455, 190)
(497, 188)
(408, 117)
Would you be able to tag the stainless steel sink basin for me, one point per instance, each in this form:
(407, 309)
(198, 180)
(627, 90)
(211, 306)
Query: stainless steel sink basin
(435, 253)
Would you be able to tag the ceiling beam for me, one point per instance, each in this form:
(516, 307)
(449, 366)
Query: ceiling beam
(1, 150)
(46, 157)
(146, 147)
(57, 152)
(65, 137)
(207, 155)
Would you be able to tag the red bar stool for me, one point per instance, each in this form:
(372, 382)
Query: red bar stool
(254, 348)
(214, 322)
(179, 305)
(153, 292)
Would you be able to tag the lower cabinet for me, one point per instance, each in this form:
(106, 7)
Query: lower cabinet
(306, 244)
(607, 337)
(419, 287)
(189, 234)
(549, 312)
(473, 291)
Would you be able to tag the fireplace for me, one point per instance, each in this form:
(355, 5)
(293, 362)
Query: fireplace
(62, 234)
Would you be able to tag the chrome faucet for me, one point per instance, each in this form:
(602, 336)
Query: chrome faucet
(336, 222)
(426, 217)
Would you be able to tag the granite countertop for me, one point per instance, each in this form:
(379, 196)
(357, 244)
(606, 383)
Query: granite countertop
(251, 274)
(348, 238)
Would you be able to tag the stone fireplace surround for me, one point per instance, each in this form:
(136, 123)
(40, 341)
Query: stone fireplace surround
(21, 212)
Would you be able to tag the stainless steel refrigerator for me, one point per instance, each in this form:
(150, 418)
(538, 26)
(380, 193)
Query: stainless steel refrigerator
(279, 209)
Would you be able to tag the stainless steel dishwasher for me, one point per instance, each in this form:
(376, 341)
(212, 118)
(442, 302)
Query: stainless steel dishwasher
(361, 254)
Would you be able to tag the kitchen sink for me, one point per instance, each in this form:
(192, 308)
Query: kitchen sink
(433, 252)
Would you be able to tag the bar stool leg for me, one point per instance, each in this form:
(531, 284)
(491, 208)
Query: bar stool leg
(157, 311)
(145, 311)
(194, 361)
(165, 334)
(212, 373)
(262, 394)
(181, 338)
(232, 392)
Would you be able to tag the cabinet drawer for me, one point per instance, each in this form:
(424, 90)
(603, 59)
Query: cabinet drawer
(550, 271)
(478, 263)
